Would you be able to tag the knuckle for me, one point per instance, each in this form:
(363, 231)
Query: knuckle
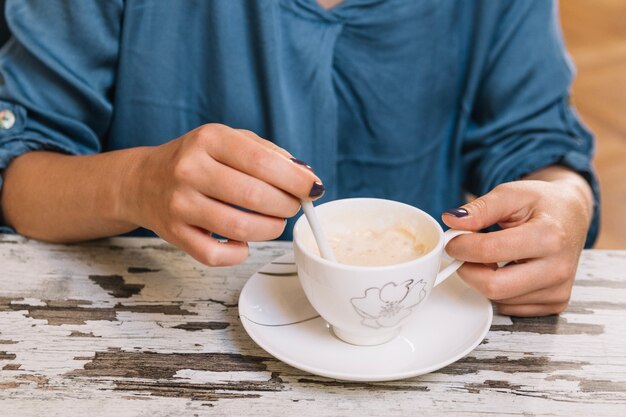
(203, 133)
(505, 309)
(494, 290)
(183, 169)
(503, 190)
(484, 248)
(239, 228)
(564, 295)
(551, 242)
(211, 257)
(253, 197)
(208, 134)
(479, 205)
(176, 204)
(259, 159)
(277, 229)
(209, 130)
(454, 248)
(563, 272)
(177, 231)
(559, 308)
(554, 238)
(286, 207)
(293, 207)
(249, 133)
(500, 187)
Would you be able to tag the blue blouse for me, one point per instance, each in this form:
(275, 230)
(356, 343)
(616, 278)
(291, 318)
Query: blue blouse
(417, 101)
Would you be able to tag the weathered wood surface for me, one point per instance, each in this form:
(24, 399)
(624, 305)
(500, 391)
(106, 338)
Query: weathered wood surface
(135, 327)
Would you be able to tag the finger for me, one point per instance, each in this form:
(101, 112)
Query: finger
(512, 280)
(271, 145)
(208, 250)
(261, 162)
(275, 148)
(230, 222)
(242, 190)
(531, 310)
(510, 203)
(555, 294)
(264, 142)
(529, 240)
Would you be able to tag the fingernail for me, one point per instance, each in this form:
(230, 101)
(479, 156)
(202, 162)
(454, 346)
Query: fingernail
(457, 212)
(304, 164)
(317, 190)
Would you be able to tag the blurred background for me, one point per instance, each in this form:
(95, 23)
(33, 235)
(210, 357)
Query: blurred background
(595, 34)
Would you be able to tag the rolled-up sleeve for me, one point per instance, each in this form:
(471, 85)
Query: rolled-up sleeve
(522, 120)
(57, 76)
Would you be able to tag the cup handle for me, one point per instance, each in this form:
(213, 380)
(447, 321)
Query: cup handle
(445, 273)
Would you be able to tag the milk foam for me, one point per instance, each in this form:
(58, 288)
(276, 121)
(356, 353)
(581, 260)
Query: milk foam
(372, 247)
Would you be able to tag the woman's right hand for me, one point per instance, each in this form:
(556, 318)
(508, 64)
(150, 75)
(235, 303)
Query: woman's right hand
(188, 188)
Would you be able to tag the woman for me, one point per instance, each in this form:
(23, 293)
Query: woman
(197, 104)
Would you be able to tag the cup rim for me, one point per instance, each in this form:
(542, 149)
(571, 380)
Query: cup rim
(432, 253)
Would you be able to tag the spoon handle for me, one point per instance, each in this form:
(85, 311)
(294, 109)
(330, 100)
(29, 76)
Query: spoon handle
(318, 233)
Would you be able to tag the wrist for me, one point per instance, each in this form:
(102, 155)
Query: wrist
(129, 184)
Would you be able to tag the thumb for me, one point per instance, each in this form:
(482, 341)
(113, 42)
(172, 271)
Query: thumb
(499, 204)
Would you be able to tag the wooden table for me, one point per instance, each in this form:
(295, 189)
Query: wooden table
(136, 327)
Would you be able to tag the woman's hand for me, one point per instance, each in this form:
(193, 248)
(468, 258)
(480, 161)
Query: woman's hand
(186, 189)
(544, 221)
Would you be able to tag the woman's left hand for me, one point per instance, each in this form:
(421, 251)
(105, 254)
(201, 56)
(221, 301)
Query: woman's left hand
(544, 220)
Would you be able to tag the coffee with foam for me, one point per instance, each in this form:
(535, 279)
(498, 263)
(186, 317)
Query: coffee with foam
(378, 247)
(389, 257)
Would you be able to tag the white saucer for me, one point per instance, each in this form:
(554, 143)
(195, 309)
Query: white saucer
(277, 316)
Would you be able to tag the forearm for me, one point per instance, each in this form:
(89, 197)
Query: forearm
(567, 177)
(61, 198)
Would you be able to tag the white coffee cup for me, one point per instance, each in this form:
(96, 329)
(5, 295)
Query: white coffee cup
(367, 305)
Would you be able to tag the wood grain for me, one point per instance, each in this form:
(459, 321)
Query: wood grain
(162, 337)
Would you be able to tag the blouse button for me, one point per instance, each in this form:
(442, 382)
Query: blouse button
(7, 119)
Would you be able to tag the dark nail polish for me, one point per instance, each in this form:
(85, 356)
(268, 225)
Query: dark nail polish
(304, 164)
(457, 212)
(317, 190)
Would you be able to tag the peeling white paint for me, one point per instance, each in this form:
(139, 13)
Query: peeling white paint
(512, 373)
